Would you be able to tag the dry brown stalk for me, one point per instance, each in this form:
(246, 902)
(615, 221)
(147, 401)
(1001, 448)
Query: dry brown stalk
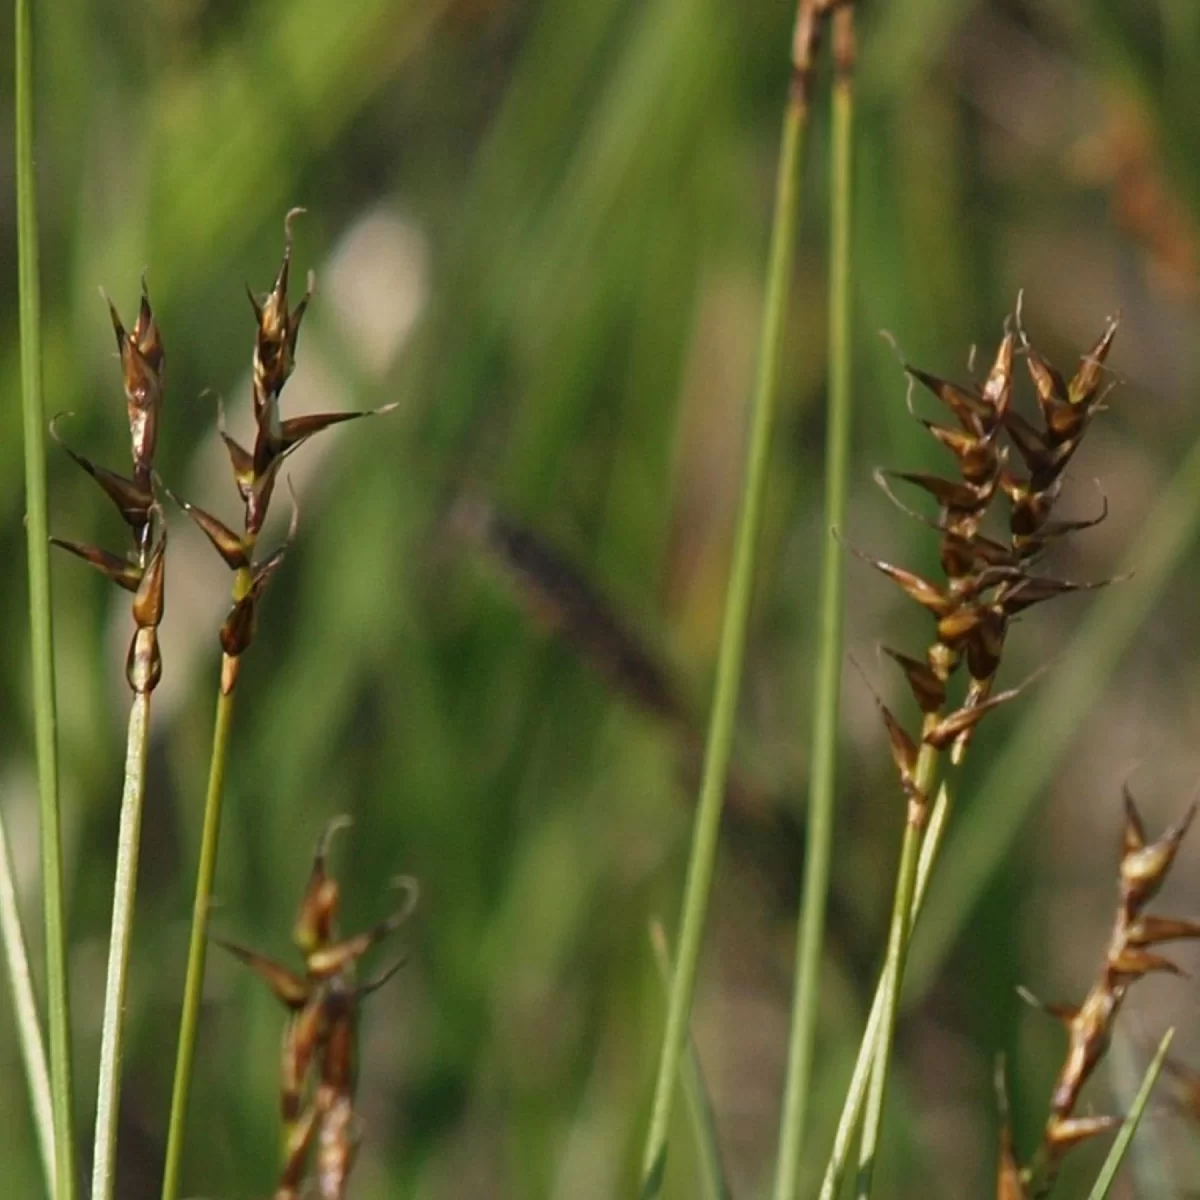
(1130, 956)
(320, 1043)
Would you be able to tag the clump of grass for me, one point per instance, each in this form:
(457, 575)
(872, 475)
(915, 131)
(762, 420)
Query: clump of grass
(987, 583)
(1129, 957)
(320, 1043)
(143, 572)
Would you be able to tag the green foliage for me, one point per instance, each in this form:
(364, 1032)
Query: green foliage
(573, 202)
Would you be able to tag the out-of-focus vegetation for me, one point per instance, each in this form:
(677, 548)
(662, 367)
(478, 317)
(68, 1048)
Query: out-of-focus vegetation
(541, 228)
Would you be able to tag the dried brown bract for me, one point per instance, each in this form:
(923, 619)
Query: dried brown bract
(320, 1041)
(1144, 866)
(986, 581)
(256, 470)
(142, 571)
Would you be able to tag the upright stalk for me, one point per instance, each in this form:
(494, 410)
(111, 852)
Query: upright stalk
(827, 685)
(893, 970)
(124, 891)
(856, 1092)
(737, 605)
(29, 1029)
(198, 945)
(41, 635)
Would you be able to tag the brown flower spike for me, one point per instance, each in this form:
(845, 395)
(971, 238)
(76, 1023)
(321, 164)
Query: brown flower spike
(986, 582)
(318, 1061)
(255, 471)
(1130, 956)
(143, 571)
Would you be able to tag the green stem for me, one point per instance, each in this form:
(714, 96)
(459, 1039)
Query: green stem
(856, 1093)
(124, 891)
(732, 646)
(29, 1029)
(198, 946)
(1116, 1153)
(700, 1108)
(827, 685)
(41, 633)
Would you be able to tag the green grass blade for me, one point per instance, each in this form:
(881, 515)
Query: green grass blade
(41, 633)
(828, 678)
(732, 645)
(1048, 723)
(1116, 1153)
(124, 891)
(198, 945)
(700, 1107)
(29, 1029)
(856, 1092)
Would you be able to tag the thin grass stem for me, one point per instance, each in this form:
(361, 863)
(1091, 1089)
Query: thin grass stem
(1117, 1151)
(41, 631)
(893, 973)
(828, 679)
(733, 632)
(29, 1029)
(124, 892)
(198, 945)
(695, 1091)
(856, 1092)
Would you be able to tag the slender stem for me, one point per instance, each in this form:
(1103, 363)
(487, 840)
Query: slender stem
(827, 684)
(29, 1029)
(856, 1093)
(733, 635)
(1116, 1153)
(124, 891)
(41, 633)
(198, 946)
(700, 1107)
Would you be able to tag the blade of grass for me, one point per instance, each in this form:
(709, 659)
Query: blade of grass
(1116, 1153)
(892, 979)
(704, 1122)
(41, 632)
(737, 607)
(29, 1029)
(124, 891)
(198, 944)
(856, 1092)
(828, 678)
(1049, 722)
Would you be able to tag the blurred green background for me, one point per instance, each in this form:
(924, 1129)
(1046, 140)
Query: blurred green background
(541, 228)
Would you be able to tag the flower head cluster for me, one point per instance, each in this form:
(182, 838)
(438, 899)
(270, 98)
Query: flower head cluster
(1130, 956)
(987, 581)
(256, 470)
(142, 571)
(317, 1067)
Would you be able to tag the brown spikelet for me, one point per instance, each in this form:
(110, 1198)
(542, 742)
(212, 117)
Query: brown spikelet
(320, 1042)
(1144, 866)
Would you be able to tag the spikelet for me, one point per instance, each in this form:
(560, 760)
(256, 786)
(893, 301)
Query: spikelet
(1144, 866)
(986, 582)
(143, 570)
(256, 471)
(320, 1040)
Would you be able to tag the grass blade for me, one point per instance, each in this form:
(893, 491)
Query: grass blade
(29, 1029)
(828, 679)
(707, 822)
(704, 1122)
(1116, 1153)
(41, 632)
